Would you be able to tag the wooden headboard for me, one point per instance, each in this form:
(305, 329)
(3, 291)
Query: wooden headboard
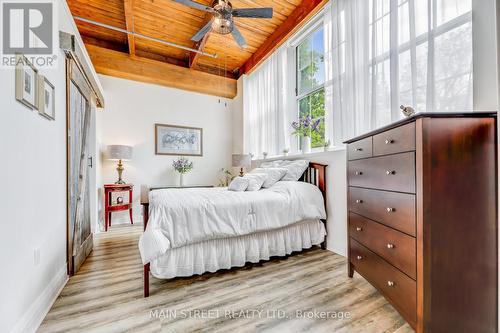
(316, 174)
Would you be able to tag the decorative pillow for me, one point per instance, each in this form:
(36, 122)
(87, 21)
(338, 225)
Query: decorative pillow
(238, 184)
(255, 181)
(273, 175)
(295, 169)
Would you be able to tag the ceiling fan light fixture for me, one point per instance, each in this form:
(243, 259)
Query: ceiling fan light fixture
(222, 25)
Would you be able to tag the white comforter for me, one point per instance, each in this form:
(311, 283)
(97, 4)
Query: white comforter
(187, 216)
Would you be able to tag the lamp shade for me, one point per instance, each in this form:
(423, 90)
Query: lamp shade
(241, 161)
(119, 152)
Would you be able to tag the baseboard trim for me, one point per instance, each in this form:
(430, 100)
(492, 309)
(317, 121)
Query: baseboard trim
(32, 318)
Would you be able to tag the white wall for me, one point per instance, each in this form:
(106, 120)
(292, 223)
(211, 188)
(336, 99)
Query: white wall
(132, 109)
(33, 199)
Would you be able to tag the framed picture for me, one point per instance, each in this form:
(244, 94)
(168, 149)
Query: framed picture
(26, 82)
(46, 98)
(178, 140)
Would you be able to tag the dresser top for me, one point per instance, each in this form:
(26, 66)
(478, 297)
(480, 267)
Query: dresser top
(475, 114)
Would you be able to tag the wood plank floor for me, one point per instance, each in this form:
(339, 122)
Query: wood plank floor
(106, 296)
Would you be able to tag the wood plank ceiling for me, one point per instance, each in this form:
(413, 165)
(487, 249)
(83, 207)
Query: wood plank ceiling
(174, 22)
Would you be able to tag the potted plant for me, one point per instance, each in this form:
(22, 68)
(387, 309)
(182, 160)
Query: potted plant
(303, 128)
(286, 151)
(182, 165)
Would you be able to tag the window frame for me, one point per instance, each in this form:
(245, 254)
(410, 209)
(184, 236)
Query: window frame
(313, 27)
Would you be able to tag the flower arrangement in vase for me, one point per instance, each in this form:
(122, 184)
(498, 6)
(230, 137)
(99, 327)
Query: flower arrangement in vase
(182, 165)
(286, 151)
(303, 128)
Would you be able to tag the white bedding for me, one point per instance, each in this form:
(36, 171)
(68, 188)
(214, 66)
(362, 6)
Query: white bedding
(188, 216)
(225, 253)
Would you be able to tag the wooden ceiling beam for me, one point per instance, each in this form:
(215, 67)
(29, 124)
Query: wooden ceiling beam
(122, 65)
(128, 6)
(194, 56)
(300, 15)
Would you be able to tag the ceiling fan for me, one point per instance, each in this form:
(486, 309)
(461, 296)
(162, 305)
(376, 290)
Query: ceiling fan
(222, 22)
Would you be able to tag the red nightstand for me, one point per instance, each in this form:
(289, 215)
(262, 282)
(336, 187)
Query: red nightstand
(108, 204)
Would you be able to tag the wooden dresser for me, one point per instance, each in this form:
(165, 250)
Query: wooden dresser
(422, 205)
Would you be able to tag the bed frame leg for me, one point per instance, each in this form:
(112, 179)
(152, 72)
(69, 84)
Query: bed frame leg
(323, 245)
(146, 280)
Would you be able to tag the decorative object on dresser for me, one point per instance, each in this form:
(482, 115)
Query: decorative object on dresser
(408, 111)
(241, 161)
(26, 82)
(110, 207)
(119, 153)
(182, 165)
(422, 203)
(178, 140)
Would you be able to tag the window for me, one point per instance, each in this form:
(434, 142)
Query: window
(430, 70)
(310, 55)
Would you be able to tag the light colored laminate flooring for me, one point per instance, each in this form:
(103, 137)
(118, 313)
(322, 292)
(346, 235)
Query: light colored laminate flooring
(305, 292)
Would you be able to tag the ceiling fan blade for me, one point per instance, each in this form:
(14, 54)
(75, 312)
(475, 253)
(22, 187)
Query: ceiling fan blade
(253, 12)
(195, 5)
(238, 37)
(202, 32)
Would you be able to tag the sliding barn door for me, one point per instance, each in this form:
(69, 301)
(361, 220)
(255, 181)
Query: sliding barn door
(80, 110)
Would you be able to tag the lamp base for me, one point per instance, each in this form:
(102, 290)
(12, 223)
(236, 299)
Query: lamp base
(120, 171)
(120, 182)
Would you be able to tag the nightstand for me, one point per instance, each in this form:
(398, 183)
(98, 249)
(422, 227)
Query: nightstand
(110, 207)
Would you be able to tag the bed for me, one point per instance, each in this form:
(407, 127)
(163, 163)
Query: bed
(193, 231)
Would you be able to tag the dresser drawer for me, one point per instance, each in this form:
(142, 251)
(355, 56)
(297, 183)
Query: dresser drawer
(396, 210)
(396, 140)
(394, 246)
(392, 172)
(396, 286)
(360, 149)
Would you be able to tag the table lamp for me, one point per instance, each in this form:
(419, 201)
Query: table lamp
(119, 153)
(241, 161)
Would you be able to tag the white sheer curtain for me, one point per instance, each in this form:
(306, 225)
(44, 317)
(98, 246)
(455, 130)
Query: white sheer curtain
(384, 53)
(268, 103)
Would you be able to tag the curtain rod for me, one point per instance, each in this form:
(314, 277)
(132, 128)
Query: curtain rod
(135, 34)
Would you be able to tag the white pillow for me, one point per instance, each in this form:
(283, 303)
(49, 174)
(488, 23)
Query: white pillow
(255, 181)
(274, 175)
(238, 184)
(272, 164)
(295, 169)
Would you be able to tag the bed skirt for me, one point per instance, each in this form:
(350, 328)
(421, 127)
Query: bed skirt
(210, 256)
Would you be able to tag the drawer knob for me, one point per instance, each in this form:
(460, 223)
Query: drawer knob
(359, 149)
(390, 283)
(359, 229)
(359, 257)
(359, 201)
(391, 210)
(388, 141)
(390, 246)
(390, 172)
(359, 173)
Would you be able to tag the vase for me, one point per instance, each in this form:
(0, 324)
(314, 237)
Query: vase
(306, 144)
(181, 179)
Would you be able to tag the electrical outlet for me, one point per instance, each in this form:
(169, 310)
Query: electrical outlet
(36, 256)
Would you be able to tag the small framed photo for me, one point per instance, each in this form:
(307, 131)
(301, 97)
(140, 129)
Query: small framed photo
(26, 82)
(178, 140)
(46, 98)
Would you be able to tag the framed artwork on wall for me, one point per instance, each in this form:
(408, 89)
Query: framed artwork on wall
(46, 98)
(26, 82)
(178, 140)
